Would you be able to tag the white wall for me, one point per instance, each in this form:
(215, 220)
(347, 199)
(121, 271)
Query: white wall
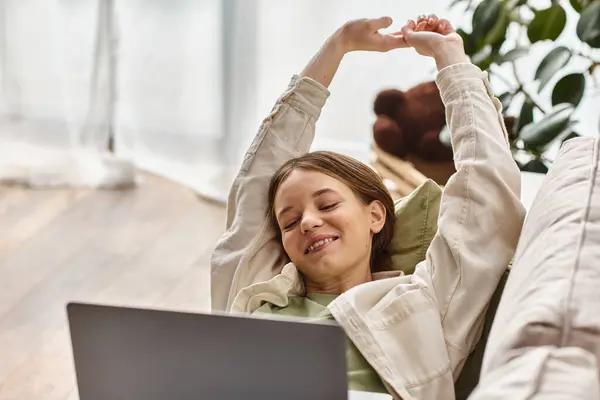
(291, 31)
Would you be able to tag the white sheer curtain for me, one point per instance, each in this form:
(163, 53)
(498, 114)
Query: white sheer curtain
(56, 94)
(169, 114)
(181, 84)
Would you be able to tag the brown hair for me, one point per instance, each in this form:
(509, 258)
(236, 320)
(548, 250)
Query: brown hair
(361, 179)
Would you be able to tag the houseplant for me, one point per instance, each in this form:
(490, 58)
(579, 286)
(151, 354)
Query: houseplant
(489, 47)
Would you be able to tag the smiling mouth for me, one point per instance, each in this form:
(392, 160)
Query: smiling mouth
(319, 245)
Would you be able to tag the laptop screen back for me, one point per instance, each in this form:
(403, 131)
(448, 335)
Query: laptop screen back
(135, 354)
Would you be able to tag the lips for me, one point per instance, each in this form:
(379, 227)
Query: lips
(319, 242)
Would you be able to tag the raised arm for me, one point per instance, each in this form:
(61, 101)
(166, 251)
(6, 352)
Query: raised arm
(285, 133)
(481, 214)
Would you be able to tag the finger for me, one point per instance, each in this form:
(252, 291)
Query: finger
(400, 41)
(421, 26)
(410, 23)
(428, 27)
(395, 42)
(445, 27)
(408, 32)
(443, 24)
(421, 18)
(432, 22)
(381, 23)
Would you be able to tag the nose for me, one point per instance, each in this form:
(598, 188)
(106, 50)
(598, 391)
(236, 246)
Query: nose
(310, 221)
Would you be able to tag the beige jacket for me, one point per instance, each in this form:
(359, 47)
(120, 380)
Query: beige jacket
(417, 330)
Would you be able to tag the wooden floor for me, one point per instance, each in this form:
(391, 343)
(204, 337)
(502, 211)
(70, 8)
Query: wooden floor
(146, 247)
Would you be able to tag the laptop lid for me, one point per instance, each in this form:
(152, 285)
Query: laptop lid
(141, 354)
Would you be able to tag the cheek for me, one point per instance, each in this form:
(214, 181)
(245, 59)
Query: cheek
(354, 219)
(357, 228)
(290, 244)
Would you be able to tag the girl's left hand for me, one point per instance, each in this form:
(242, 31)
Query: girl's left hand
(434, 37)
(431, 35)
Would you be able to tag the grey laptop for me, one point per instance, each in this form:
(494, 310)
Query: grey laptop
(138, 354)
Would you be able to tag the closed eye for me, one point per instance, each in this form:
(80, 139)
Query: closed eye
(290, 225)
(329, 207)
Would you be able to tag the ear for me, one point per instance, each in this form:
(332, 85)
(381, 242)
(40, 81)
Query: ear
(377, 216)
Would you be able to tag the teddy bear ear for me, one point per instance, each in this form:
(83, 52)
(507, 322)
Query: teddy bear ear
(388, 101)
(388, 136)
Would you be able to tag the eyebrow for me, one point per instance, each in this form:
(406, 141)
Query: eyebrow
(315, 194)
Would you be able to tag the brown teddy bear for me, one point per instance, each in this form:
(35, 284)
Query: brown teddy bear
(408, 126)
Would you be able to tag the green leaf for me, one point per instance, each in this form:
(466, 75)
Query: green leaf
(525, 116)
(512, 55)
(539, 135)
(588, 27)
(554, 61)
(457, 2)
(496, 48)
(571, 135)
(569, 89)
(486, 15)
(468, 42)
(483, 58)
(469, 6)
(535, 165)
(497, 34)
(577, 5)
(547, 24)
(580, 5)
(482, 55)
(505, 99)
(521, 3)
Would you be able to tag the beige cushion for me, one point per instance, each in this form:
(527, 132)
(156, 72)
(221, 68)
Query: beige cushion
(548, 314)
(416, 224)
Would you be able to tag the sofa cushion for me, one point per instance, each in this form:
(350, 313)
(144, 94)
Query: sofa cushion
(550, 302)
(416, 225)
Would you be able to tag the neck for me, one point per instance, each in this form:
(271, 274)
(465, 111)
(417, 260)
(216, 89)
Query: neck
(338, 284)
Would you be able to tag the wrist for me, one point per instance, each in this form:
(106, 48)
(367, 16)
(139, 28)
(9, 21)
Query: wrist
(338, 43)
(449, 55)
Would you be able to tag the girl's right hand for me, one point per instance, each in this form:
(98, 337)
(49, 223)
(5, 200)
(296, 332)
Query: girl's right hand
(363, 34)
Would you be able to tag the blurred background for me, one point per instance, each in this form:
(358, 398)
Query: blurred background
(179, 87)
(123, 123)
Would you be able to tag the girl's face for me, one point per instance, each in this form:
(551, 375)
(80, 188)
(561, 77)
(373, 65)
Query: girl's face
(326, 230)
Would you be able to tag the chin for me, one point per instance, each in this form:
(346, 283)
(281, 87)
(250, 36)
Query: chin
(326, 267)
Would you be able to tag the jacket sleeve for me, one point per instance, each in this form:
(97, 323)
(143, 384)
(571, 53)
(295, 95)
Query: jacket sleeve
(481, 214)
(287, 132)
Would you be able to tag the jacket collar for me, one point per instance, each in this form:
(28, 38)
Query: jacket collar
(277, 290)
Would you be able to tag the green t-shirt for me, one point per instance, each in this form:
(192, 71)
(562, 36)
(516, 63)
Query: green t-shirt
(361, 376)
